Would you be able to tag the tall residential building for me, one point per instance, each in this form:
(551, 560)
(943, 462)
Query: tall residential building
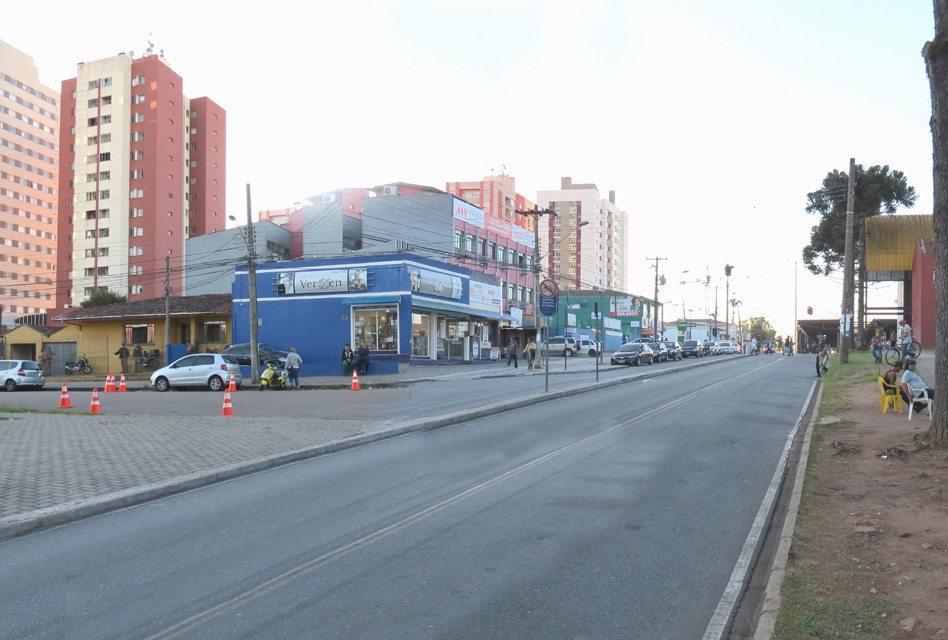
(142, 170)
(29, 126)
(585, 244)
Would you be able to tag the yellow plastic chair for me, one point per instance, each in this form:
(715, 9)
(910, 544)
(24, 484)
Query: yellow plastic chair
(891, 398)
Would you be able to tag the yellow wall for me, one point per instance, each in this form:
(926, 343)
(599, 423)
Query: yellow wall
(100, 339)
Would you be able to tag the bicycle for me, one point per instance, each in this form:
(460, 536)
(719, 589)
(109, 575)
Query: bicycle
(894, 354)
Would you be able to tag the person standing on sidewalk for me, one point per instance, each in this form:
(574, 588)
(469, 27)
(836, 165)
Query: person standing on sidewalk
(292, 368)
(530, 351)
(513, 348)
(122, 353)
(137, 356)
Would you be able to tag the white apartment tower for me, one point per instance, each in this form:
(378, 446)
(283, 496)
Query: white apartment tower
(584, 244)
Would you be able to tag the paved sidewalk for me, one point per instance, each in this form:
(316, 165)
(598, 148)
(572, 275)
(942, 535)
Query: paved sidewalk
(55, 468)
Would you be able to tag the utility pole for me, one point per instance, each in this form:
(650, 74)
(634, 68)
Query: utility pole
(847, 305)
(727, 298)
(655, 300)
(538, 317)
(252, 284)
(167, 306)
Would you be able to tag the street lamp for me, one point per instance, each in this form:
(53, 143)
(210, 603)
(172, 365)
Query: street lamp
(252, 285)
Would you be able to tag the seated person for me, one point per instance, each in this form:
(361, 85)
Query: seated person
(893, 377)
(912, 383)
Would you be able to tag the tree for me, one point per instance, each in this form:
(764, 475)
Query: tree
(878, 190)
(759, 327)
(936, 58)
(101, 298)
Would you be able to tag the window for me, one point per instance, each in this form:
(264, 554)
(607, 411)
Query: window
(135, 288)
(137, 80)
(136, 213)
(457, 239)
(470, 242)
(136, 174)
(136, 193)
(136, 232)
(139, 333)
(103, 233)
(136, 251)
(215, 332)
(138, 99)
(105, 157)
(419, 335)
(135, 270)
(138, 155)
(138, 117)
(378, 328)
(138, 136)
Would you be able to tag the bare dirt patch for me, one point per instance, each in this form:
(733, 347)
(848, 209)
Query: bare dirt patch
(872, 537)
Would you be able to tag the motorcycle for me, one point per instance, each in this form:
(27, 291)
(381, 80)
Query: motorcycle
(151, 359)
(79, 366)
(272, 378)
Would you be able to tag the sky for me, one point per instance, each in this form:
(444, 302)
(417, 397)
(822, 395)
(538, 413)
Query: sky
(710, 120)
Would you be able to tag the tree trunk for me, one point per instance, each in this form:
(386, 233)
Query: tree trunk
(936, 57)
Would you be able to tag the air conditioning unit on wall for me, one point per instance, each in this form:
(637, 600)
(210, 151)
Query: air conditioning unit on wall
(390, 190)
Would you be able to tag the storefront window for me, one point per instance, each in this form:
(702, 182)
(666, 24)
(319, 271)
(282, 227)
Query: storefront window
(419, 335)
(378, 328)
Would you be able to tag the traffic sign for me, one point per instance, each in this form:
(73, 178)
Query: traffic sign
(548, 305)
(548, 288)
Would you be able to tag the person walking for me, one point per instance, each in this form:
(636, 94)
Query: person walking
(291, 369)
(906, 337)
(530, 351)
(876, 348)
(822, 362)
(754, 346)
(513, 348)
(122, 353)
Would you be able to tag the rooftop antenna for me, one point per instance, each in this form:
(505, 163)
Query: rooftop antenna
(151, 45)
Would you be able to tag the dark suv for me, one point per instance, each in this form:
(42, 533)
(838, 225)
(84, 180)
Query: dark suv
(241, 353)
(692, 348)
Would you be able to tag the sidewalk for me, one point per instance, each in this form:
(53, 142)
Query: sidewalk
(57, 468)
(408, 374)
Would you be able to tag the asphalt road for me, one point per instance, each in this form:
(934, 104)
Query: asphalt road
(416, 400)
(614, 514)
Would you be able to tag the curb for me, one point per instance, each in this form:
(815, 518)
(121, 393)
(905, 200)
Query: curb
(32, 521)
(770, 608)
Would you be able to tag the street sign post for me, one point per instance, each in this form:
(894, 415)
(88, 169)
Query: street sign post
(548, 293)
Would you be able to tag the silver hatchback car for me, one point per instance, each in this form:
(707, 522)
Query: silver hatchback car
(16, 374)
(211, 370)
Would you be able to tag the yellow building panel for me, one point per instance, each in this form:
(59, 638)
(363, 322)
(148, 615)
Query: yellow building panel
(891, 240)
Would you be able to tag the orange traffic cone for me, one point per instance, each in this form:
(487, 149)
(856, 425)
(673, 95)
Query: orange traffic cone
(355, 381)
(95, 407)
(109, 383)
(228, 409)
(122, 386)
(233, 384)
(64, 402)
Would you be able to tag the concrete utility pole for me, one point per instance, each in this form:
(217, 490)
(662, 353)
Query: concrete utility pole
(538, 317)
(655, 300)
(847, 305)
(252, 284)
(167, 306)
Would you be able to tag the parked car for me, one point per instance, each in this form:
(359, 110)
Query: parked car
(585, 345)
(241, 353)
(211, 370)
(735, 347)
(660, 352)
(560, 346)
(713, 348)
(633, 353)
(725, 347)
(648, 340)
(16, 374)
(692, 348)
(674, 351)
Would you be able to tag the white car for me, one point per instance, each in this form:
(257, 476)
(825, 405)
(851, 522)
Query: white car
(211, 370)
(15, 374)
(588, 346)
